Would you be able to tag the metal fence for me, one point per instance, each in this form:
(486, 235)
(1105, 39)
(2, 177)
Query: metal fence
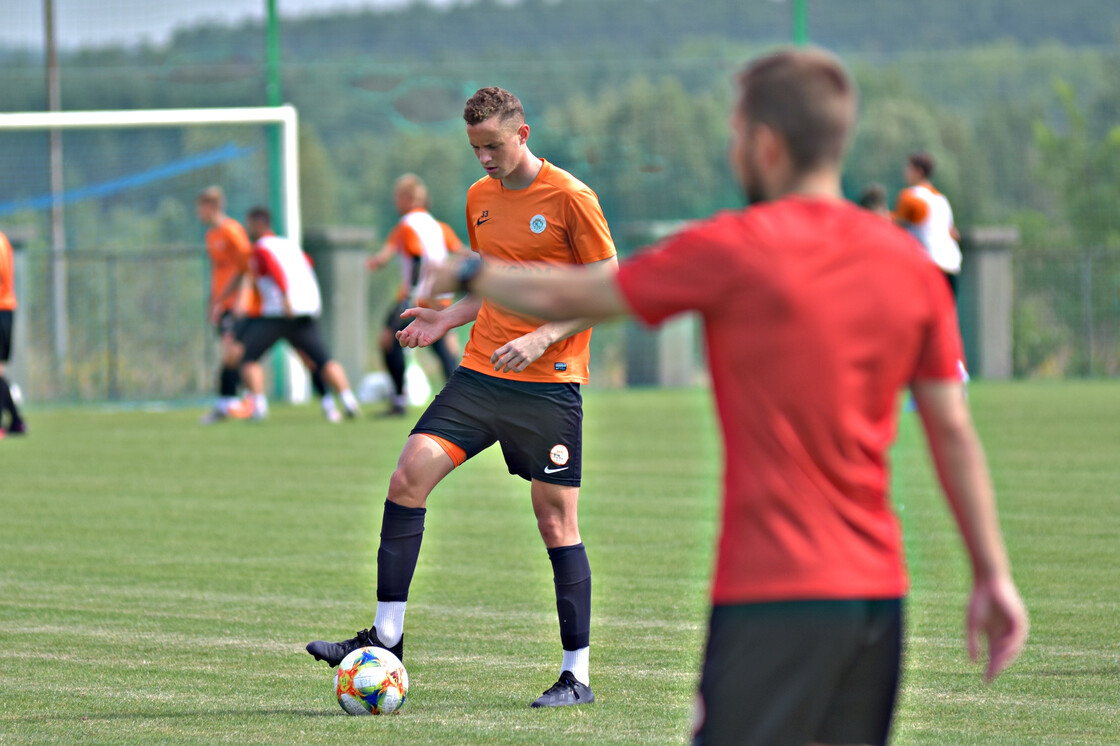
(1066, 319)
(138, 329)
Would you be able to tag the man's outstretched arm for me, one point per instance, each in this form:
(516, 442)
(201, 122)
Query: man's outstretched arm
(518, 354)
(995, 609)
(554, 293)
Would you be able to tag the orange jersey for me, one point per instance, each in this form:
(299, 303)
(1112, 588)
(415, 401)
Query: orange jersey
(230, 249)
(556, 220)
(7, 276)
(416, 237)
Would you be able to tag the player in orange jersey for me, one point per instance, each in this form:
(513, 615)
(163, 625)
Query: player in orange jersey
(420, 241)
(230, 250)
(518, 385)
(816, 314)
(16, 425)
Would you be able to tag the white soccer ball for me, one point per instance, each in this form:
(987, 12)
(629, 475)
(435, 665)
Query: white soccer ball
(371, 681)
(375, 387)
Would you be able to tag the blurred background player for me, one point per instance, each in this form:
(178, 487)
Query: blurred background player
(926, 214)
(816, 314)
(420, 241)
(874, 198)
(518, 385)
(290, 304)
(229, 249)
(16, 425)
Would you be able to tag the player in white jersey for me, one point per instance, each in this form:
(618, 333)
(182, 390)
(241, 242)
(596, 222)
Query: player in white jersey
(420, 242)
(290, 304)
(926, 213)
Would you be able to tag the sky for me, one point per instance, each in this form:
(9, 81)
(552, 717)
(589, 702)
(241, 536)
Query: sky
(109, 22)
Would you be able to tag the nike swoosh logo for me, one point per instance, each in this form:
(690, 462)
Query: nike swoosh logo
(553, 471)
(480, 221)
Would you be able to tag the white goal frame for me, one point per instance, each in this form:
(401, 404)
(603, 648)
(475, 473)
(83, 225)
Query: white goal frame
(285, 116)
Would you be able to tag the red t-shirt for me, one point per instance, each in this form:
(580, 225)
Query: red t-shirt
(816, 314)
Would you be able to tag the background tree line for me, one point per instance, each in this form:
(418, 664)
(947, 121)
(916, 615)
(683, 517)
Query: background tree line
(1018, 100)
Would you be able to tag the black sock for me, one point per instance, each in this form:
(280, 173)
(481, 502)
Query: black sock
(394, 363)
(7, 403)
(318, 384)
(228, 380)
(402, 530)
(571, 573)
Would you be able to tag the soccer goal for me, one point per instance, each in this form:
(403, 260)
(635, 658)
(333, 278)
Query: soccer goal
(115, 279)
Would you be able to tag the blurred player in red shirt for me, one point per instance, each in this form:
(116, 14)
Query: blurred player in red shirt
(816, 313)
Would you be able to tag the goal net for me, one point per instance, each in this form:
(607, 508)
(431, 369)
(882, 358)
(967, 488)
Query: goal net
(115, 279)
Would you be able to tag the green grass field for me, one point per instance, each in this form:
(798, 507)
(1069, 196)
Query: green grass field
(158, 580)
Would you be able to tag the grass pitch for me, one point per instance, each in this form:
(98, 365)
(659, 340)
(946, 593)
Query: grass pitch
(158, 580)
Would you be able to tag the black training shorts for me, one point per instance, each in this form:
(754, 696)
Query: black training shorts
(301, 332)
(230, 324)
(800, 672)
(7, 324)
(539, 425)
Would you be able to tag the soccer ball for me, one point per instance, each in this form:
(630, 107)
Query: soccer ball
(371, 681)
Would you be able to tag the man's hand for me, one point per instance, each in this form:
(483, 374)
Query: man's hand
(519, 354)
(215, 313)
(427, 326)
(996, 612)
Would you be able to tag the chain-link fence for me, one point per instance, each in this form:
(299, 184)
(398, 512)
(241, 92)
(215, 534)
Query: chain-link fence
(136, 327)
(1066, 319)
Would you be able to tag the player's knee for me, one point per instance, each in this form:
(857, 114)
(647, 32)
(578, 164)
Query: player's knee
(406, 488)
(556, 530)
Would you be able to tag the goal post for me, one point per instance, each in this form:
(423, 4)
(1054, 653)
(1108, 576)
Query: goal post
(107, 189)
(285, 116)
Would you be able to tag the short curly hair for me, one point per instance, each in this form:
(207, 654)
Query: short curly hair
(490, 102)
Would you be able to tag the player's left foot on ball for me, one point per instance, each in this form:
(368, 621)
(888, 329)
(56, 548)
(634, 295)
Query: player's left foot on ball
(567, 691)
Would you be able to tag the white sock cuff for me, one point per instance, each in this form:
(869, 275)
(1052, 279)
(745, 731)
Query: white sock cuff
(579, 663)
(390, 621)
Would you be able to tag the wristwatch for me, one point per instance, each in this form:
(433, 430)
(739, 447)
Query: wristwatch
(468, 270)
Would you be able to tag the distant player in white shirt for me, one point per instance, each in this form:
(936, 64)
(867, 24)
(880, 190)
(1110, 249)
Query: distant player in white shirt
(290, 308)
(926, 213)
(420, 242)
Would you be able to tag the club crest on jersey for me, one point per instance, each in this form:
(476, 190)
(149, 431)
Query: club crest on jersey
(559, 454)
(538, 224)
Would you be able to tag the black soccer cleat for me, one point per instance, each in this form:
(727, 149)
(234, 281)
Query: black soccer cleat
(334, 652)
(566, 691)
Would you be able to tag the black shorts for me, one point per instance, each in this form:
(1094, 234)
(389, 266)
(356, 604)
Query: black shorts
(301, 332)
(800, 672)
(230, 324)
(7, 326)
(539, 425)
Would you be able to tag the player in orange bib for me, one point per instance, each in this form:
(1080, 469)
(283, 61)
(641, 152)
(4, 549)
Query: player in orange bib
(16, 425)
(230, 250)
(518, 385)
(420, 242)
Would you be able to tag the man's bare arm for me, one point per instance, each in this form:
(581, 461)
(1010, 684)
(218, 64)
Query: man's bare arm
(518, 354)
(558, 294)
(996, 610)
